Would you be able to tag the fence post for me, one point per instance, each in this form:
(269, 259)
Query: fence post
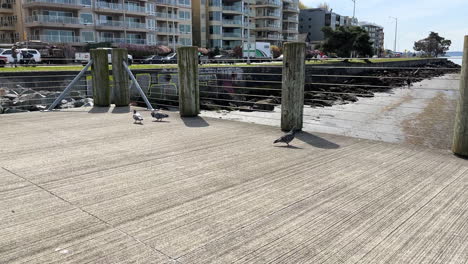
(292, 93)
(100, 74)
(121, 91)
(460, 137)
(189, 94)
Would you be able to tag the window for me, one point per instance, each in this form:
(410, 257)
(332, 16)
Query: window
(184, 15)
(215, 2)
(203, 29)
(86, 2)
(215, 16)
(151, 24)
(87, 36)
(215, 30)
(151, 39)
(215, 43)
(86, 18)
(150, 9)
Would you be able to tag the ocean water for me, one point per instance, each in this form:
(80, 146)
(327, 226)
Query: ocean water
(457, 59)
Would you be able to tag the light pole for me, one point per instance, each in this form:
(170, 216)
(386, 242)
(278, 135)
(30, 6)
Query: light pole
(354, 11)
(248, 32)
(396, 32)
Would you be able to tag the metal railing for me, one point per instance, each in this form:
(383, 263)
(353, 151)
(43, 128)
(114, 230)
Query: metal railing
(53, 19)
(61, 2)
(57, 39)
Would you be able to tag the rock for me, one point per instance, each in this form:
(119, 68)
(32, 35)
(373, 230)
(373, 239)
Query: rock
(245, 108)
(3, 91)
(14, 110)
(349, 97)
(76, 95)
(78, 103)
(266, 104)
(11, 96)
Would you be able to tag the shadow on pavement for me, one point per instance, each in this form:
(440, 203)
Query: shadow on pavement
(195, 121)
(316, 141)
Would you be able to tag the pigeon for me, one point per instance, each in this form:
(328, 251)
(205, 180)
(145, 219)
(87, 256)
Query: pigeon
(287, 138)
(158, 116)
(137, 117)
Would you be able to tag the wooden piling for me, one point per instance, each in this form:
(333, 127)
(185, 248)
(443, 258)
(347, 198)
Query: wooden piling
(121, 90)
(189, 95)
(292, 94)
(460, 137)
(100, 75)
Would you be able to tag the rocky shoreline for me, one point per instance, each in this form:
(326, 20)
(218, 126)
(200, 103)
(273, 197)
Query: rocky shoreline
(323, 89)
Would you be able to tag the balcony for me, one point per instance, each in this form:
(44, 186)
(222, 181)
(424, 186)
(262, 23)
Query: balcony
(274, 15)
(293, 19)
(57, 39)
(275, 27)
(291, 8)
(232, 22)
(270, 37)
(135, 25)
(167, 2)
(68, 4)
(167, 31)
(110, 23)
(232, 35)
(54, 20)
(8, 40)
(232, 9)
(273, 3)
(6, 8)
(166, 16)
(123, 40)
(135, 9)
(7, 26)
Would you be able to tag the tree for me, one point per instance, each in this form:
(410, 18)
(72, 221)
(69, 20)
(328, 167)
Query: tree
(433, 46)
(345, 41)
(302, 5)
(275, 51)
(237, 52)
(324, 5)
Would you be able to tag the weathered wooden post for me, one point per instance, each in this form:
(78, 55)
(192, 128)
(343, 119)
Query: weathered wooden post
(292, 93)
(100, 75)
(121, 91)
(189, 95)
(460, 137)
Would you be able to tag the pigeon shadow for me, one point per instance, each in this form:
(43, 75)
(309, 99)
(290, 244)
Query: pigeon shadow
(99, 110)
(288, 147)
(162, 121)
(138, 124)
(316, 141)
(121, 110)
(194, 121)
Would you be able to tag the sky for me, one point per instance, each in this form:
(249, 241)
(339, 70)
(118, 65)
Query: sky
(416, 18)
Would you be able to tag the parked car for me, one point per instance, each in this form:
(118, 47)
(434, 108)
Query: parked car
(226, 59)
(153, 59)
(8, 54)
(3, 61)
(36, 54)
(84, 57)
(170, 59)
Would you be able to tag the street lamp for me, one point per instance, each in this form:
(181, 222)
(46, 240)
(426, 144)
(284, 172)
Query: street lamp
(396, 32)
(248, 32)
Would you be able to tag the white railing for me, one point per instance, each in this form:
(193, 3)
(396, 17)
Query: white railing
(232, 22)
(53, 19)
(167, 30)
(270, 2)
(61, 2)
(106, 5)
(110, 23)
(56, 39)
(166, 15)
(232, 35)
(233, 8)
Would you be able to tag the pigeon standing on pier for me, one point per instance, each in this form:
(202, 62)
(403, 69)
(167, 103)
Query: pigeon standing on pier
(287, 138)
(137, 117)
(158, 116)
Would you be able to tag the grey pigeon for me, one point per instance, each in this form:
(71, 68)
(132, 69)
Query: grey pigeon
(137, 117)
(287, 138)
(159, 116)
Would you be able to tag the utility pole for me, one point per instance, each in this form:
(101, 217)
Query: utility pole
(354, 11)
(396, 32)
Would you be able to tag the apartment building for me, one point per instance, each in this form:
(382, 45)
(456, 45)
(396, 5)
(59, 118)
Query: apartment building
(77, 22)
(229, 23)
(376, 34)
(312, 20)
(11, 21)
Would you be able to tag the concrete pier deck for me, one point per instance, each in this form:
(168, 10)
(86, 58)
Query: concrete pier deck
(91, 187)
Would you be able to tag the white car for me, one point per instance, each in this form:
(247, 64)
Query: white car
(8, 54)
(36, 54)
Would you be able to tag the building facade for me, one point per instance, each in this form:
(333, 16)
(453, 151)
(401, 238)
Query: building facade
(230, 23)
(11, 21)
(312, 20)
(376, 34)
(77, 22)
